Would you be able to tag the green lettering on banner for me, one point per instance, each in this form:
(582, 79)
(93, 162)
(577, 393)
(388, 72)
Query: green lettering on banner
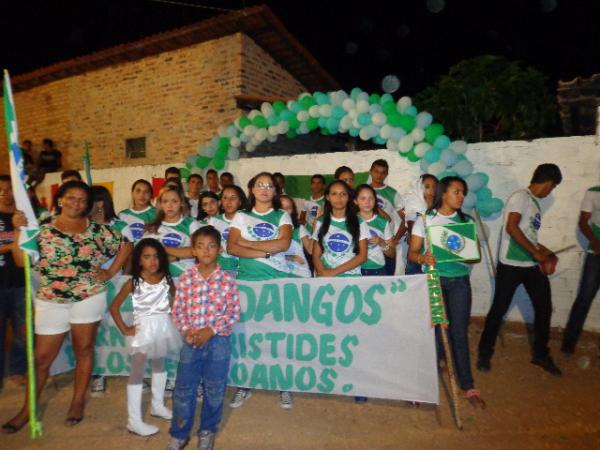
(258, 378)
(115, 363)
(274, 338)
(101, 336)
(116, 338)
(269, 302)
(254, 352)
(279, 381)
(346, 360)
(238, 374)
(325, 317)
(326, 347)
(311, 352)
(369, 299)
(289, 346)
(250, 302)
(326, 385)
(233, 345)
(301, 383)
(296, 308)
(340, 308)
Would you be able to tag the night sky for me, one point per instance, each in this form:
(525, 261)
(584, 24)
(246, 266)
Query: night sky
(359, 43)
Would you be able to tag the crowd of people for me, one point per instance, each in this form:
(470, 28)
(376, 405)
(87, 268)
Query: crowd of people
(183, 252)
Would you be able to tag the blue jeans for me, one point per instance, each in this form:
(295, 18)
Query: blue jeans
(457, 298)
(209, 363)
(12, 307)
(381, 272)
(413, 268)
(588, 288)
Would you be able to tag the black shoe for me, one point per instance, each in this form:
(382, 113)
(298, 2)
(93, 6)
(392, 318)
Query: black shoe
(484, 364)
(567, 350)
(548, 365)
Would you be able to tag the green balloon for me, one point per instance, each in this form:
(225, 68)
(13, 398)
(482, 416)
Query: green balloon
(219, 163)
(291, 134)
(278, 106)
(260, 122)
(394, 118)
(244, 122)
(185, 173)
(389, 108)
(221, 153)
(433, 131)
(223, 143)
(203, 161)
(294, 122)
(307, 101)
(312, 123)
(374, 99)
(411, 155)
(407, 122)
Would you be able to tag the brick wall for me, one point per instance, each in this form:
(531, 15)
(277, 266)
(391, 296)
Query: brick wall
(176, 100)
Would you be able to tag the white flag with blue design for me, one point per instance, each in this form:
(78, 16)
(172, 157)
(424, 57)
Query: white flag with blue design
(454, 242)
(17, 173)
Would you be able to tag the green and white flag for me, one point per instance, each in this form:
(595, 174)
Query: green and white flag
(17, 173)
(454, 242)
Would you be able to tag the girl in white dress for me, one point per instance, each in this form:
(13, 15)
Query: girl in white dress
(152, 334)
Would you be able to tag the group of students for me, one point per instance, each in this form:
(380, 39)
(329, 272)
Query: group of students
(190, 250)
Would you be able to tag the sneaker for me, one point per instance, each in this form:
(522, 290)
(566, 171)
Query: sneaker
(240, 396)
(169, 388)
(548, 365)
(484, 364)
(286, 401)
(200, 393)
(206, 440)
(98, 385)
(177, 444)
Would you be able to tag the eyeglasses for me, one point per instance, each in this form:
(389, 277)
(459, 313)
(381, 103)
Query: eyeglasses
(269, 187)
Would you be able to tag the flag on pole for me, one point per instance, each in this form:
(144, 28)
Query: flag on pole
(454, 242)
(17, 173)
(27, 242)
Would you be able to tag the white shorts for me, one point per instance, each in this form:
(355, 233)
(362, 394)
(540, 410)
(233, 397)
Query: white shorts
(56, 318)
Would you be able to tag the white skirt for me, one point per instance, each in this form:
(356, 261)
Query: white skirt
(155, 336)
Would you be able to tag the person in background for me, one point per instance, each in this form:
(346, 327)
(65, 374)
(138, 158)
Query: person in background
(589, 224)
(28, 158)
(172, 172)
(212, 181)
(280, 181)
(520, 256)
(49, 159)
(301, 243)
(345, 174)
(12, 291)
(226, 179)
(195, 185)
(70, 175)
(311, 206)
(141, 212)
(209, 205)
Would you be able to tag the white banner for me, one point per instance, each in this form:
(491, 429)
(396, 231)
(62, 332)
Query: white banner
(358, 336)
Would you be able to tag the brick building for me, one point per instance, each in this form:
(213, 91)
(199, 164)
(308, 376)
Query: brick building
(172, 89)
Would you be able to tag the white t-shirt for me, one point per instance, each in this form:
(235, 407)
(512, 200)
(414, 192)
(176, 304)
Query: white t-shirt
(390, 201)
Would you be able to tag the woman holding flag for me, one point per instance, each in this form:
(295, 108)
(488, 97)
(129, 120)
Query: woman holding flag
(455, 283)
(72, 291)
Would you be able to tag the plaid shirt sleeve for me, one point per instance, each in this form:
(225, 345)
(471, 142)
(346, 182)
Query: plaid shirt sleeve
(223, 323)
(180, 311)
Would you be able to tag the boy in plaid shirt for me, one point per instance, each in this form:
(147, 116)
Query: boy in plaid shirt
(206, 307)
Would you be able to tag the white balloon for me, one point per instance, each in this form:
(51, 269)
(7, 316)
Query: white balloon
(346, 123)
(271, 138)
(313, 111)
(459, 147)
(235, 141)
(325, 110)
(379, 119)
(404, 103)
(273, 130)
(355, 123)
(362, 106)
(374, 108)
(261, 134)
(373, 130)
(302, 116)
(398, 133)
(421, 148)
(231, 131)
(364, 134)
(234, 153)
(250, 148)
(303, 129)
(424, 119)
(362, 97)
(222, 131)
(348, 104)
(353, 114)
(436, 168)
(252, 114)
(289, 104)
(244, 138)
(385, 132)
(392, 145)
(405, 144)
(266, 109)
(283, 127)
(417, 134)
(250, 130)
(463, 168)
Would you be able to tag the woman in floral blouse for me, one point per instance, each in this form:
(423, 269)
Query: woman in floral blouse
(72, 292)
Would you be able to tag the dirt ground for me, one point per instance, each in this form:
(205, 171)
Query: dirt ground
(526, 409)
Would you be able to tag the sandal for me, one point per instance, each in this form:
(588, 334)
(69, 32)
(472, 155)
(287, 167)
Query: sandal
(72, 421)
(9, 428)
(474, 396)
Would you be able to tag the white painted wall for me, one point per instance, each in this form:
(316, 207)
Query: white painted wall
(509, 164)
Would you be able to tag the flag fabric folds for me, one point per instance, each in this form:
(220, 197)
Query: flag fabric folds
(454, 242)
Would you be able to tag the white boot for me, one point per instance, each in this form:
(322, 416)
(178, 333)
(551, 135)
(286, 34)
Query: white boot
(134, 410)
(159, 381)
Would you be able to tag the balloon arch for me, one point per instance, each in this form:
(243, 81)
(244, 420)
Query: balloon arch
(396, 124)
